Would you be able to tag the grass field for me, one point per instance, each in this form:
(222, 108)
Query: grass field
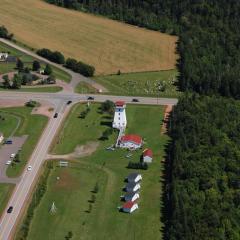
(31, 125)
(8, 123)
(5, 193)
(83, 87)
(104, 43)
(9, 67)
(141, 84)
(52, 89)
(72, 192)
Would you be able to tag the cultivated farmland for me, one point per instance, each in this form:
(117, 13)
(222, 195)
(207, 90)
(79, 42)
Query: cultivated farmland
(106, 44)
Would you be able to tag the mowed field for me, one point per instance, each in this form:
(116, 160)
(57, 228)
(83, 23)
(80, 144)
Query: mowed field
(108, 45)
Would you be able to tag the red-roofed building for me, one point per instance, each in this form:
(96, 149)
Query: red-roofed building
(147, 155)
(129, 207)
(131, 141)
(119, 103)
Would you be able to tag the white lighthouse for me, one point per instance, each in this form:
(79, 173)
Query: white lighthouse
(120, 119)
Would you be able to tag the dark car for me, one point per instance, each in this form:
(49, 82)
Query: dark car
(90, 98)
(69, 102)
(8, 141)
(10, 209)
(135, 100)
(55, 115)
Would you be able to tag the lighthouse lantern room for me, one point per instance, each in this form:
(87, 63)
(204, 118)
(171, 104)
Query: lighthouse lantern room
(120, 119)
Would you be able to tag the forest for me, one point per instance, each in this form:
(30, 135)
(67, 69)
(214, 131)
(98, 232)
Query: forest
(203, 157)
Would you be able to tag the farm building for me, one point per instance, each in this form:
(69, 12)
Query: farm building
(3, 56)
(131, 141)
(132, 187)
(129, 207)
(1, 137)
(131, 196)
(134, 177)
(120, 119)
(147, 155)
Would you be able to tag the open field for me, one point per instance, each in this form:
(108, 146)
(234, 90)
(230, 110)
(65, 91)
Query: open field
(9, 67)
(8, 124)
(84, 87)
(141, 84)
(31, 125)
(5, 193)
(72, 192)
(106, 44)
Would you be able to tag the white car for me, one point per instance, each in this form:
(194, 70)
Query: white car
(13, 155)
(8, 162)
(29, 168)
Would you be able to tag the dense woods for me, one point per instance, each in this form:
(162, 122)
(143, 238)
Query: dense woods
(205, 163)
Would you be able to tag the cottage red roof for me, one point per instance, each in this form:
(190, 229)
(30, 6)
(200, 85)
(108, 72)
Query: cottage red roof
(132, 138)
(128, 204)
(120, 103)
(147, 153)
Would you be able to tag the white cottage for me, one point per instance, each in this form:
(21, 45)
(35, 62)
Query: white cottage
(129, 207)
(131, 196)
(134, 177)
(132, 187)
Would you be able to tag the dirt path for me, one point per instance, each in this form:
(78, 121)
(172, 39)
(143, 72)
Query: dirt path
(167, 111)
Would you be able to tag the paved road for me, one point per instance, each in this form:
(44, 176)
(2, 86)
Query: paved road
(23, 188)
(28, 178)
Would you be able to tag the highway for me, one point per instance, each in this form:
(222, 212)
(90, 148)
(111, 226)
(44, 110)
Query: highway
(28, 179)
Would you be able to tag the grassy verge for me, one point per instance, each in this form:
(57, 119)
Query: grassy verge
(52, 89)
(8, 123)
(83, 87)
(141, 84)
(71, 188)
(5, 193)
(31, 125)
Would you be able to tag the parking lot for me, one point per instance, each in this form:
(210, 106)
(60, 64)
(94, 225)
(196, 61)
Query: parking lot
(5, 155)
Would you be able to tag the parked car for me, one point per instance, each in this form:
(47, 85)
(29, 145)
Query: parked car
(8, 162)
(29, 168)
(13, 155)
(55, 115)
(90, 98)
(8, 141)
(135, 100)
(69, 102)
(10, 209)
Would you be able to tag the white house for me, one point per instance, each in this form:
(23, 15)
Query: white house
(131, 196)
(147, 155)
(134, 177)
(120, 119)
(3, 56)
(132, 187)
(129, 207)
(130, 141)
(1, 137)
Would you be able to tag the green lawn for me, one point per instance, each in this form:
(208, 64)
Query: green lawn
(5, 193)
(141, 84)
(50, 89)
(72, 192)
(83, 87)
(8, 123)
(31, 125)
(9, 67)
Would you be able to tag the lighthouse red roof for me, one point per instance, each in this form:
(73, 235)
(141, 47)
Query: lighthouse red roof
(128, 204)
(131, 138)
(119, 103)
(147, 152)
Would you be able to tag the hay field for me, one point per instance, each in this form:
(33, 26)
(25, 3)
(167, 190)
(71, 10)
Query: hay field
(106, 44)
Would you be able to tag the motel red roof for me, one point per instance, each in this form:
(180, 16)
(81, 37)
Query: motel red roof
(147, 153)
(132, 138)
(128, 204)
(119, 103)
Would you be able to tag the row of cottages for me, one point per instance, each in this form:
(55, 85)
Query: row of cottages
(132, 195)
(1, 137)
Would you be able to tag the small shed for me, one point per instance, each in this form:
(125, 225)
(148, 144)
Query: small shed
(134, 177)
(131, 196)
(132, 187)
(147, 155)
(1, 137)
(129, 207)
